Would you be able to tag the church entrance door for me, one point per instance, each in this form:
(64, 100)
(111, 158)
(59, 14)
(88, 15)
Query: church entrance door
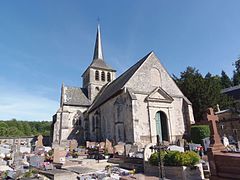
(162, 126)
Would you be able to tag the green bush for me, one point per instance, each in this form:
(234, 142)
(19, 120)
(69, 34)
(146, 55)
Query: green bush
(175, 158)
(190, 158)
(172, 158)
(199, 132)
(154, 158)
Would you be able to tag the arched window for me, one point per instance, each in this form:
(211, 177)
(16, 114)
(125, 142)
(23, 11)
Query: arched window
(97, 75)
(103, 76)
(108, 77)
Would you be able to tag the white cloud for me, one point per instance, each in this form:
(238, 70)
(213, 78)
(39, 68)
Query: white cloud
(24, 105)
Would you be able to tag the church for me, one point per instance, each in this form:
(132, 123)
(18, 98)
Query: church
(134, 107)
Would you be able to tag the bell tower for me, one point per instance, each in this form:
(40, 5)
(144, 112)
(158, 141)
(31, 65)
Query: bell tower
(98, 72)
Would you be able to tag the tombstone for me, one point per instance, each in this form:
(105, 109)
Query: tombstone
(147, 151)
(225, 141)
(39, 148)
(90, 144)
(134, 149)
(36, 161)
(231, 140)
(176, 148)
(18, 160)
(101, 145)
(73, 145)
(59, 155)
(193, 147)
(215, 140)
(206, 143)
(108, 146)
(127, 149)
(39, 141)
(119, 149)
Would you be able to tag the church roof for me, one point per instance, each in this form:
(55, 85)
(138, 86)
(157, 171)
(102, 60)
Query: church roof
(232, 91)
(115, 86)
(99, 63)
(75, 96)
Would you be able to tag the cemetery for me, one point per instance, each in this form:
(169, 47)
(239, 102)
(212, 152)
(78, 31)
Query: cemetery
(210, 157)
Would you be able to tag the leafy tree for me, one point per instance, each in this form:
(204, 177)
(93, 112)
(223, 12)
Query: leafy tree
(225, 80)
(14, 132)
(27, 129)
(16, 128)
(236, 72)
(3, 125)
(202, 92)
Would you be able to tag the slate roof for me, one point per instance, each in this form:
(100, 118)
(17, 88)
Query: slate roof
(75, 96)
(115, 86)
(232, 91)
(99, 63)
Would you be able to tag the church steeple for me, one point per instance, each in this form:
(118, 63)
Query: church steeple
(98, 73)
(98, 52)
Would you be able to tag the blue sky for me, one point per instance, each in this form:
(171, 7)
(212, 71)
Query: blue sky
(44, 43)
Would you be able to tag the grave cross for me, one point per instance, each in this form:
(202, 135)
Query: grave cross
(159, 147)
(212, 118)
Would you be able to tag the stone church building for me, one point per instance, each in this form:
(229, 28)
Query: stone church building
(135, 107)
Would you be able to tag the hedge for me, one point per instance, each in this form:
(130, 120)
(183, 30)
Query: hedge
(175, 158)
(199, 132)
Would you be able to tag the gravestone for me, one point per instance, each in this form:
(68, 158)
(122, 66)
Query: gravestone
(225, 141)
(101, 145)
(206, 143)
(134, 149)
(18, 160)
(73, 144)
(36, 161)
(59, 155)
(215, 140)
(147, 151)
(127, 149)
(176, 148)
(108, 146)
(193, 147)
(119, 149)
(90, 144)
(39, 141)
(39, 148)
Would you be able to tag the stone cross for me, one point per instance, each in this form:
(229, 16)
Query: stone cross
(215, 140)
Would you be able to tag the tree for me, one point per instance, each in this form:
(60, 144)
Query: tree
(3, 129)
(225, 80)
(202, 92)
(236, 72)
(14, 132)
(27, 129)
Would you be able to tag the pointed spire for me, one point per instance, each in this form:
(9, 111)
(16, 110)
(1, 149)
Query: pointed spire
(98, 53)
